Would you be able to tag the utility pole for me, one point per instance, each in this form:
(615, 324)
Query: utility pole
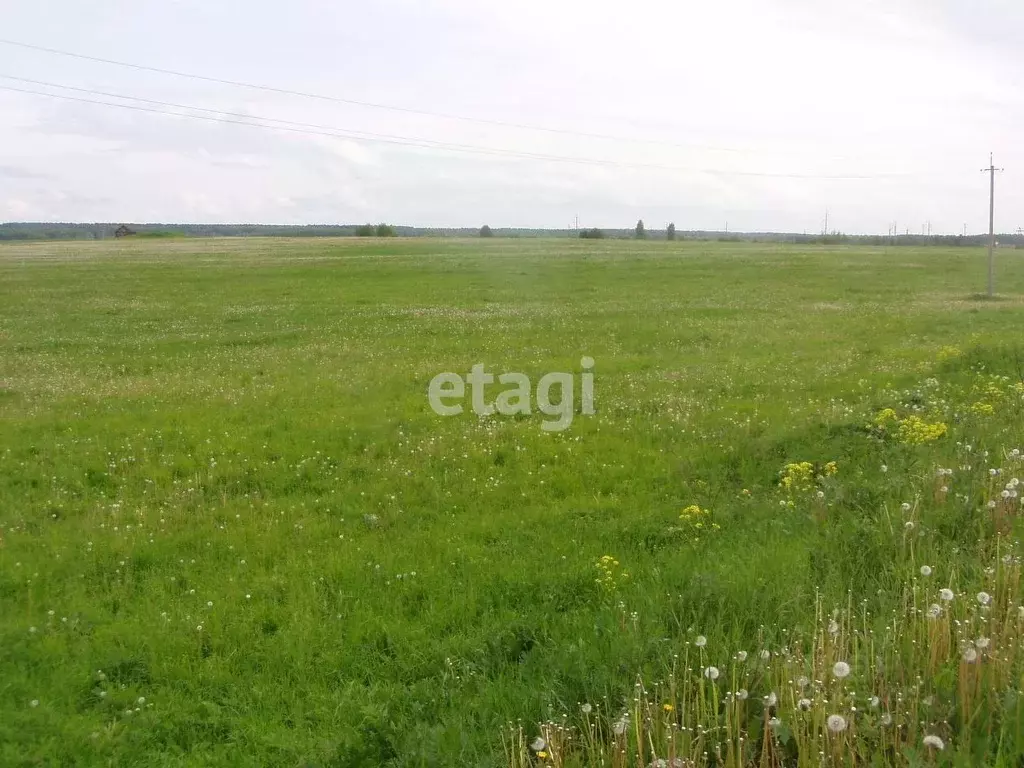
(991, 171)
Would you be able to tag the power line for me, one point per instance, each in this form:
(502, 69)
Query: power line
(371, 105)
(320, 130)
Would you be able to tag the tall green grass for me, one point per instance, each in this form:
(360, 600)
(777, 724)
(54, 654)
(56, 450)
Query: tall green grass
(234, 533)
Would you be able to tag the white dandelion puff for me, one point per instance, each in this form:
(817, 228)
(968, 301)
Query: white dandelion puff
(933, 741)
(538, 744)
(701, 641)
(804, 704)
(982, 643)
(946, 594)
(970, 655)
(836, 723)
(841, 669)
(771, 699)
(984, 598)
(926, 570)
(934, 611)
(586, 709)
(741, 656)
(711, 673)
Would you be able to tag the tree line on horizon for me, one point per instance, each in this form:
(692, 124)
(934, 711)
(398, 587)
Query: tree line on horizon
(27, 231)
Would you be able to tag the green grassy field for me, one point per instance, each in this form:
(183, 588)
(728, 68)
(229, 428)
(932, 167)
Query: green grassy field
(233, 532)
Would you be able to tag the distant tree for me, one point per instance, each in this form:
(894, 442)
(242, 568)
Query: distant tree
(592, 234)
(641, 233)
(365, 230)
(385, 230)
(670, 233)
(485, 231)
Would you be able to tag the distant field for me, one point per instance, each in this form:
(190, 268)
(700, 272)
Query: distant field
(233, 532)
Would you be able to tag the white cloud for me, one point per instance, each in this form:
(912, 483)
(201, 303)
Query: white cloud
(914, 88)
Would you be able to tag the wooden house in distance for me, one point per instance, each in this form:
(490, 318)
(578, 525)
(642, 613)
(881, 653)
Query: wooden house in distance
(123, 231)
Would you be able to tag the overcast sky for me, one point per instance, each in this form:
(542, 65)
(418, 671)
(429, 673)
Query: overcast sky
(759, 114)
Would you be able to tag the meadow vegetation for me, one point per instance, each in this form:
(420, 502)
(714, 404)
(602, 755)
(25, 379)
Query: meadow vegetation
(233, 532)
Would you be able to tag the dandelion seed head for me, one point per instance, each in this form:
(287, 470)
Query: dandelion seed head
(841, 669)
(933, 741)
(836, 723)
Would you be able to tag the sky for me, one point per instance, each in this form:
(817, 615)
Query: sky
(751, 115)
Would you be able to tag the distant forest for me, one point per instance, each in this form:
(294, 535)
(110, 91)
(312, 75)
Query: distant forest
(49, 231)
